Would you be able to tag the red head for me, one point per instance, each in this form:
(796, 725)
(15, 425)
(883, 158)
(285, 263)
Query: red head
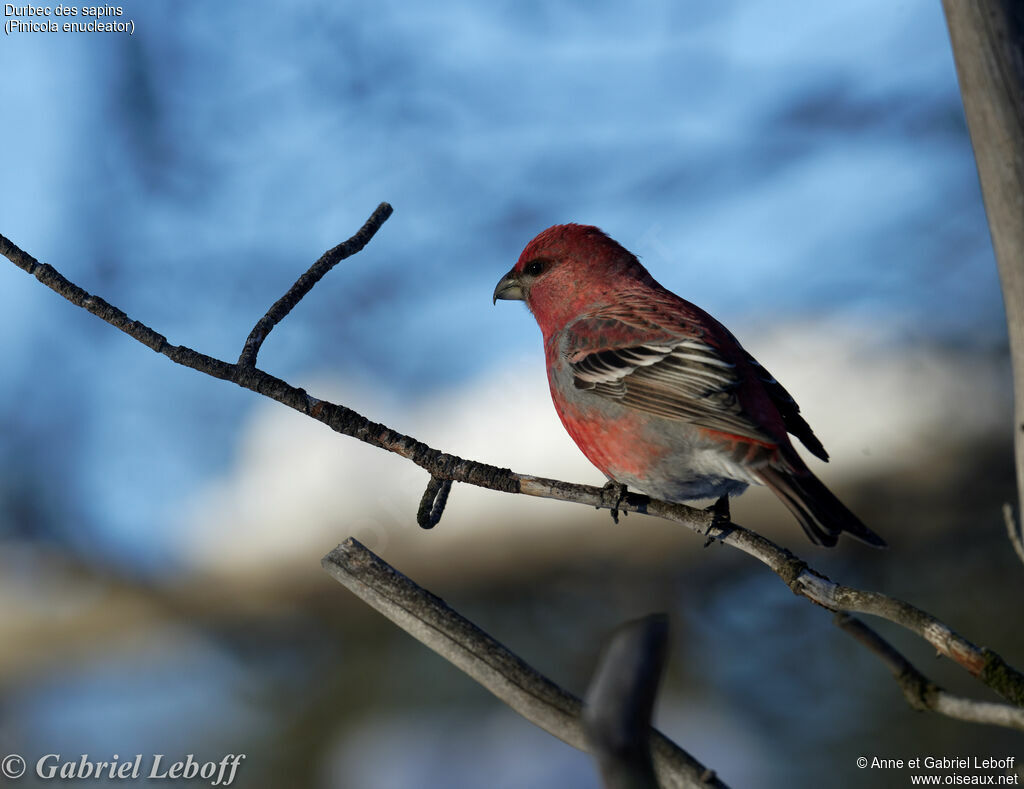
(567, 270)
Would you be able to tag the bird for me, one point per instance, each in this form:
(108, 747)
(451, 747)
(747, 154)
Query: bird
(659, 395)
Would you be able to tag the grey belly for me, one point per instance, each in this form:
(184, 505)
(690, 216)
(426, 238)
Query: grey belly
(687, 489)
(694, 470)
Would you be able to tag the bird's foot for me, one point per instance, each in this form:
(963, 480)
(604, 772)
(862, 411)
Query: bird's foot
(720, 519)
(612, 495)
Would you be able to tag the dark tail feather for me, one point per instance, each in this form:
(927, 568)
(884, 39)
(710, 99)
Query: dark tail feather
(823, 516)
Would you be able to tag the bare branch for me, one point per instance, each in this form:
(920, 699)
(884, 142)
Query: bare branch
(620, 701)
(920, 692)
(305, 283)
(984, 664)
(430, 620)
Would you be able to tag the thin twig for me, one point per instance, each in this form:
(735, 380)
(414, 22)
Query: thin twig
(982, 663)
(429, 619)
(1014, 530)
(305, 283)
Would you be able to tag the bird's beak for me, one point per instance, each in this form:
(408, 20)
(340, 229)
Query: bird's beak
(508, 288)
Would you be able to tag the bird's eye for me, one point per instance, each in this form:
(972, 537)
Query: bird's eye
(535, 267)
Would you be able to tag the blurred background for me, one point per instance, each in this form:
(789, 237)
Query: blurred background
(802, 171)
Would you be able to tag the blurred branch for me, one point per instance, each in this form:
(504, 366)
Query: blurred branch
(920, 692)
(429, 619)
(983, 664)
(988, 47)
(620, 702)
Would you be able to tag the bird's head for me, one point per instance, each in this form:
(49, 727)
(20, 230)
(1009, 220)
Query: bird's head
(566, 270)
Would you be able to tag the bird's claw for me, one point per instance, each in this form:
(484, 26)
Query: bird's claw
(720, 519)
(612, 495)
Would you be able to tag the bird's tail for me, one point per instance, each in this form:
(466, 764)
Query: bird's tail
(822, 515)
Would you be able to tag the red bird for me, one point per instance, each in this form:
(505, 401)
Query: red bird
(658, 394)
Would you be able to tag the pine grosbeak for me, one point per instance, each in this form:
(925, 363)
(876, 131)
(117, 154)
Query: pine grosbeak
(658, 394)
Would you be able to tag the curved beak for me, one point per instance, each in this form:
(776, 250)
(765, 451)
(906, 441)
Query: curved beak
(508, 288)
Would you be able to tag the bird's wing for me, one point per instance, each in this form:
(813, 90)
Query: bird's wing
(673, 376)
(789, 410)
